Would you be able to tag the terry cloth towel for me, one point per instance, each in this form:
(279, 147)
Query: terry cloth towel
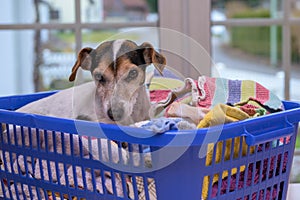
(207, 92)
(219, 148)
(221, 114)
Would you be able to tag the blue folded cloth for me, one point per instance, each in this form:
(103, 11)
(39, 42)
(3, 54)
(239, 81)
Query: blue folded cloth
(160, 125)
(163, 124)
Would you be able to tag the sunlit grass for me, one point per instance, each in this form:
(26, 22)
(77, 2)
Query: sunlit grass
(95, 36)
(298, 142)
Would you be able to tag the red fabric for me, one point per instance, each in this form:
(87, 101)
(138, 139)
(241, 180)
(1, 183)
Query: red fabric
(262, 94)
(159, 95)
(249, 109)
(209, 88)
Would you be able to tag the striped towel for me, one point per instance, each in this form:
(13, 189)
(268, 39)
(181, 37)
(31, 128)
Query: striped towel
(207, 92)
(221, 90)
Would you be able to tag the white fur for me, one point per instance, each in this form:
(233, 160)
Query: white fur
(116, 47)
(68, 103)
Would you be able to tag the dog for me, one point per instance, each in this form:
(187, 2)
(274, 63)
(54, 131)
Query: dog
(117, 93)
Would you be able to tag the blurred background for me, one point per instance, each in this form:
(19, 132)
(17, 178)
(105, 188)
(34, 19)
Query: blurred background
(246, 39)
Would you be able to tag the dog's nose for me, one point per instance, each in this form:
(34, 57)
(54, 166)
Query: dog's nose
(115, 114)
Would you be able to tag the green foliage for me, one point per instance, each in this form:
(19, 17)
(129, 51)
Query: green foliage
(60, 84)
(93, 36)
(258, 13)
(254, 39)
(153, 6)
(298, 141)
(250, 3)
(253, 3)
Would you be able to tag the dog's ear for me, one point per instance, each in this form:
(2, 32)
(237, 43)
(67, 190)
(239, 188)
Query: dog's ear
(152, 56)
(84, 61)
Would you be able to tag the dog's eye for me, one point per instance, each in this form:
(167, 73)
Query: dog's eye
(99, 77)
(132, 74)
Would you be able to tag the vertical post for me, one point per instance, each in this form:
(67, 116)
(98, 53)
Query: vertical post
(191, 18)
(37, 51)
(273, 34)
(198, 19)
(78, 33)
(78, 36)
(286, 50)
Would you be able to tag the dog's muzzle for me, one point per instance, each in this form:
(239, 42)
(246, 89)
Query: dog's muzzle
(115, 114)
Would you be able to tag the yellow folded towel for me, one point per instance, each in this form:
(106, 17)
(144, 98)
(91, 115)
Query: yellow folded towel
(221, 114)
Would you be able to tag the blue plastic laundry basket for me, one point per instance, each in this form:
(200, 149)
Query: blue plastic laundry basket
(51, 158)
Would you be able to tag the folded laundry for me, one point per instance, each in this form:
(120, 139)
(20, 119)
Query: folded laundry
(159, 95)
(254, 107)
(206, 92)
(224, 147)
(163, 124)
(190, 113)
(213, 101)
(222, 114)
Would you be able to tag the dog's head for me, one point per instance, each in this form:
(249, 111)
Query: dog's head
(118, 69)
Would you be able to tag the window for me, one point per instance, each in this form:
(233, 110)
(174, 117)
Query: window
(41, 37)
(259, 40)
(68, 25)
(259, 37)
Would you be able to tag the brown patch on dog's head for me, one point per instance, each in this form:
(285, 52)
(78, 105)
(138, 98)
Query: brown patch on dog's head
(152, 56)
(83, 61)
(105, 56)
(118, 69)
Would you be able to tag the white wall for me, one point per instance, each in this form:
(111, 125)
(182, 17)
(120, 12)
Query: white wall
(16, 52)
(89, 13)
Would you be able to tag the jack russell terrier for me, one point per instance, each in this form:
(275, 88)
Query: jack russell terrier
(117, 93)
